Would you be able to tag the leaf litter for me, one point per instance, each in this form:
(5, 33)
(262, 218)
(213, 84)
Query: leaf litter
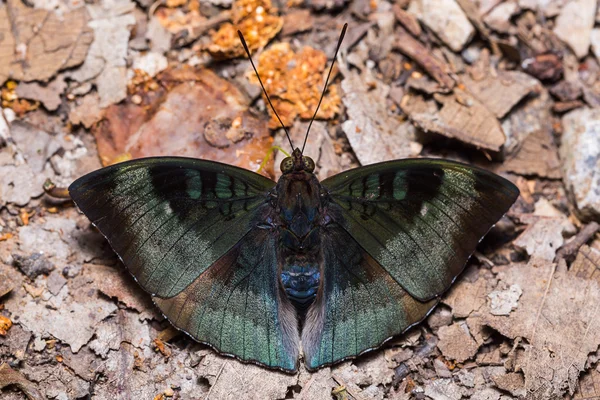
(98, 83)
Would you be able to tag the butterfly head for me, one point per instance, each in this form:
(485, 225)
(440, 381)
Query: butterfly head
(297, 163)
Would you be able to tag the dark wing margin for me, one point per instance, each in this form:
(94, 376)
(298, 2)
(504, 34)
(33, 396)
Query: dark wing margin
(170, 218)
(359, 306)
(420, 219)
(238, 306)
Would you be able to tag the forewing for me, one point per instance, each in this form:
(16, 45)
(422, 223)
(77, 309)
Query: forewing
(420, 219)
(238, 306)
(170, 218)
(359, 305)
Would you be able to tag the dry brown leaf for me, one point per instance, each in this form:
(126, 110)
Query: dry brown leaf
(294, 82)
(557, 315)
(6, 284)
(35, 44)
(587, 263)
(194, 114)
(502, 91)
(48, 94)
(464, 118)
(536, 155)
(258, 21)
(588, 387)
(374, 133)
(250, 381)
(456, 342)
(542, 238)
(9, 376)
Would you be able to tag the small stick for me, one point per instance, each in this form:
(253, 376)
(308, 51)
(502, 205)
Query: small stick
(569, 250)
(54, 191)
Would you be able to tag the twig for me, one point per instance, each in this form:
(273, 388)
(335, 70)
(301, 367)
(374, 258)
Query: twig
(569, 250)
(411, 47)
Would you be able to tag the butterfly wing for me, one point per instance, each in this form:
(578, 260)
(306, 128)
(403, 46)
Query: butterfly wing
(187, 230)
(400, 233)
(359, 305)
(239, 307)
(168, 218)
(420, 219)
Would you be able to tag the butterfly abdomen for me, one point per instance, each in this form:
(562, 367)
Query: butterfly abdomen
(300, 280)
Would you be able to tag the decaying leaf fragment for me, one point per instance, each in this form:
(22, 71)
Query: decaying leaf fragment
(294, 82)
(9, 376)
(464, 118)
(195, 114)
(503, 91)
(35, 43)
(557, 315)
(258, 21)
(374, 133)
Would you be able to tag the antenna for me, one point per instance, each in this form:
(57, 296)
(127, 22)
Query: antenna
(326, 81)
(263, 88)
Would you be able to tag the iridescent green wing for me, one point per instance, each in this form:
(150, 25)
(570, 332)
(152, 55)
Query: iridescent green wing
(359, 305)
(398, 235)
(190, 232)
(170, 218)
(420, 219)
(238, 306)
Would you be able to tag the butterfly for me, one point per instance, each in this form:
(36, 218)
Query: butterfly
(261, 270)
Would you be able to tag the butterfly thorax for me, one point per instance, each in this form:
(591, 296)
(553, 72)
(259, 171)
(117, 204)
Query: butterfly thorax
(299, 207)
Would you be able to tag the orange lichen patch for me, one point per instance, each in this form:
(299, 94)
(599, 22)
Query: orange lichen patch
(141, 80)
(10, 99)
(5, 236)
(5, 325)
(160, 346)
(24, 216)
(176, 19)
(258, 21)
(294, 82)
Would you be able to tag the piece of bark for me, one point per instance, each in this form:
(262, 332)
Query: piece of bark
(412, 48)
(565, 106)
(569, 250)
(471, 10)
(407, 20)
(9, 376)
(502, 92)
(464, 118)
(35, 44)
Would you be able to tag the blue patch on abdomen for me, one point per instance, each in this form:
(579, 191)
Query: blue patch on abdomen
(301, 282)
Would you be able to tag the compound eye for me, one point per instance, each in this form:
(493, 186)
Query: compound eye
(308, 164)
(287, 165)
